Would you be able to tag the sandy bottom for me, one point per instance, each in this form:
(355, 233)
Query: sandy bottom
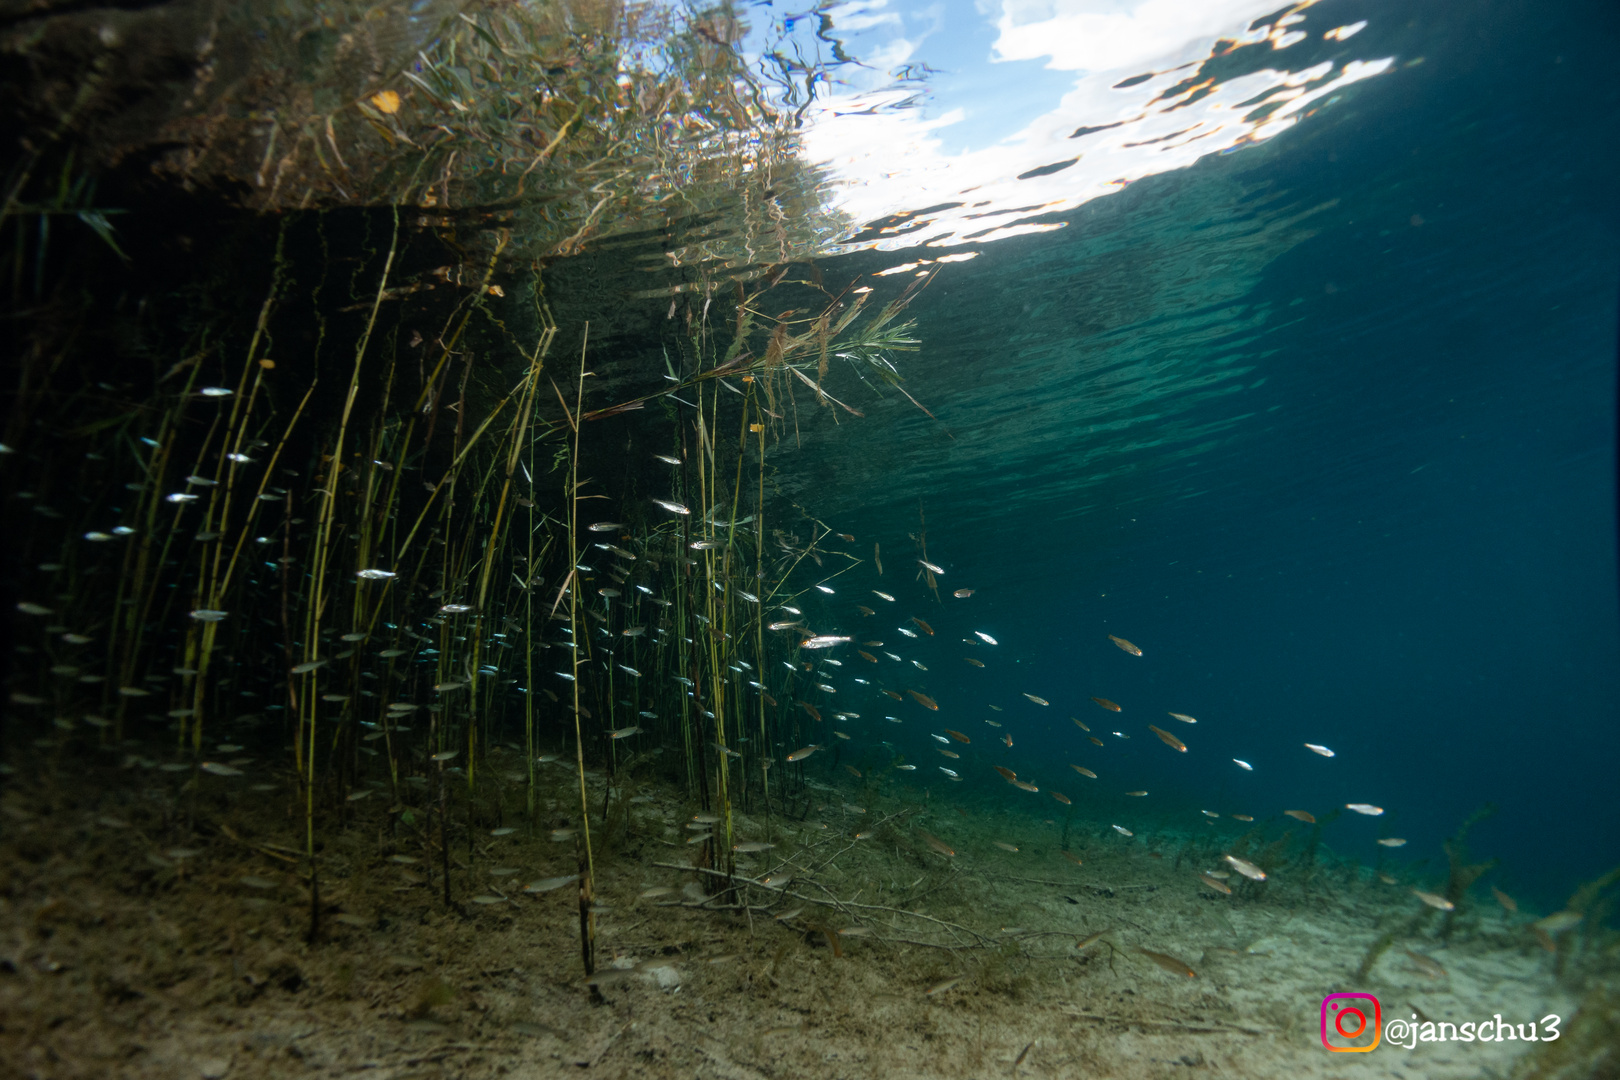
(123, 957)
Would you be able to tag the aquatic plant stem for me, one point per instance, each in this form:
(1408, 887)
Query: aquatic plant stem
(323, 531)
(587, 866)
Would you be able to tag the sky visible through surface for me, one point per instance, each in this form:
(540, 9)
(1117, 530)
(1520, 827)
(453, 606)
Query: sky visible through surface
(1032, 108)
(1317, 407)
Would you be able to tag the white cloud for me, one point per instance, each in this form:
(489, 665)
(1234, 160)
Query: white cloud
(1099, 35)
(886, 159)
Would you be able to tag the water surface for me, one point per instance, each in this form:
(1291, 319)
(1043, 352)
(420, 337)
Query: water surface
(1326, 426)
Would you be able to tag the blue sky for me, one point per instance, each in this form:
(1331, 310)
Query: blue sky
(1009, 82)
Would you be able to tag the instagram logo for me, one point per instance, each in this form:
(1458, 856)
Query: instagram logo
(1346, 1025)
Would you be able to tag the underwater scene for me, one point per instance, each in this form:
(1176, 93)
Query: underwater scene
(1023, 538)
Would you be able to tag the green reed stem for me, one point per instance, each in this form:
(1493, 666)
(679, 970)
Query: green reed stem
(587, 864)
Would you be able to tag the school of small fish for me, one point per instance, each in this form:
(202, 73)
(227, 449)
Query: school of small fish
(985, 645)
(837, 654)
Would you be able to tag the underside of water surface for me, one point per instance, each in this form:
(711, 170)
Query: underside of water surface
(581, 538)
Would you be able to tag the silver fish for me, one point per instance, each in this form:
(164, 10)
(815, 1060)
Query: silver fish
(1246, 868)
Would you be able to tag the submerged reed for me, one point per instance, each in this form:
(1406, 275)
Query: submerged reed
(345, 521)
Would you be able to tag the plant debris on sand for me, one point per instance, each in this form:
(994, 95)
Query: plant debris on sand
(140, 947)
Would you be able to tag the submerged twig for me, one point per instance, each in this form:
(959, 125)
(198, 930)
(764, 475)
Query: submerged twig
(984, 940)
(1179, 1025)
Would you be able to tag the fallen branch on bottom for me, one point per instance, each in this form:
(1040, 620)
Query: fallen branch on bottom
(1080, 885)
(1179, 1025)
(980, 940)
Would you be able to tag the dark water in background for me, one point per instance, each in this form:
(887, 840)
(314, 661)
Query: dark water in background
(1326, 427)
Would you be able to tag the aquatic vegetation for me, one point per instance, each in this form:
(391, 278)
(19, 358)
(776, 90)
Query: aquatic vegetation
(1585, 1047)
(334, 526)
(1384, 941)
(423, 562)
(1578, 935)
(557, 121)
(1461, 875)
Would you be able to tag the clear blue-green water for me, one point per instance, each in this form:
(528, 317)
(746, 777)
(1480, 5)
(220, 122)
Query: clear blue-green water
(390, 529)
(1326, 426)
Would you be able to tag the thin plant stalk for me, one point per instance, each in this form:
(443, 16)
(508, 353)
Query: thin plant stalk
(587, 863)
